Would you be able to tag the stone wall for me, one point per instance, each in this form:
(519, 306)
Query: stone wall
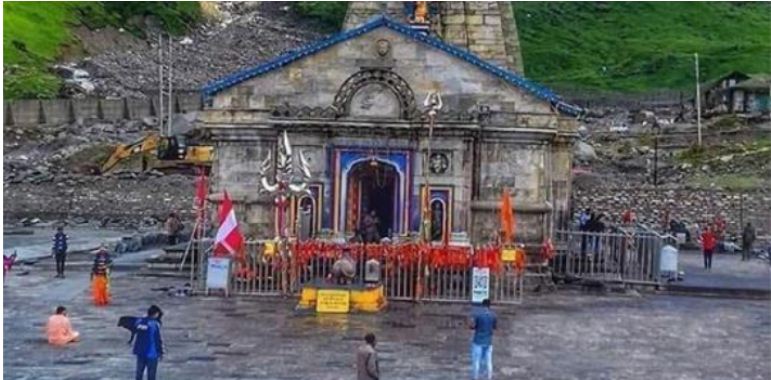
(57, 111)
(651, 205)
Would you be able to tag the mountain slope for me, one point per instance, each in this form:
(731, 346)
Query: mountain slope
(641, 45)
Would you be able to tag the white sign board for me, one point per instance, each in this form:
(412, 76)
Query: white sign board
(218, 273)
(480, 284)
(668, 259)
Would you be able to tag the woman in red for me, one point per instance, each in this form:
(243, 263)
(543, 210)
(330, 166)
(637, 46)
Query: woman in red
(708, 243)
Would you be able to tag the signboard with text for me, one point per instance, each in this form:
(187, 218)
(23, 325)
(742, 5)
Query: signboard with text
(480, 281)
(218, 273)
(333, 301)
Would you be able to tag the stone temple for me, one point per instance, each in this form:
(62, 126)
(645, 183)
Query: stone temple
(354, 104)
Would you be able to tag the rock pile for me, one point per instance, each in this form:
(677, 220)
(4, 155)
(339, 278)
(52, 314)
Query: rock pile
(246, 35)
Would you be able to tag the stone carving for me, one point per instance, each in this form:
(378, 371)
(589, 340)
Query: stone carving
(404, 96)
(383, 47)
(375, 100)
(439, 163)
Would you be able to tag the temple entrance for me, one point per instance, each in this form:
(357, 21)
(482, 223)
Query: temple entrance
(371, 204)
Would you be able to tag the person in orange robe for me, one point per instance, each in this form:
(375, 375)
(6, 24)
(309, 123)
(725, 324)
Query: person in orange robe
(100, 290)
(59, 329)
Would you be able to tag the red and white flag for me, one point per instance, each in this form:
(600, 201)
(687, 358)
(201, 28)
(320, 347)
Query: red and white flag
(229, 240)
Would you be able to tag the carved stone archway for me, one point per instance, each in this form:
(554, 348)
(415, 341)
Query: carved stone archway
(378, 77)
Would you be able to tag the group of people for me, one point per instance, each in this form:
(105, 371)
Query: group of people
(590, 223)
(710, 237)
(145, 333)
(483, 321)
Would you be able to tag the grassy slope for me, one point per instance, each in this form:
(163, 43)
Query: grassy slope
(643, 45)
(35, 32)
(32, 36)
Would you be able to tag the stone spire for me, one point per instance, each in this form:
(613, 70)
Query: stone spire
(485, 28)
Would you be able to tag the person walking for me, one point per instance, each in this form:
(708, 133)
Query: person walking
(60, 251)
(748, 238)
(708, 244)
(483, 322)
(367, 366)
(100, 278)
(148, 346)
(59, 329)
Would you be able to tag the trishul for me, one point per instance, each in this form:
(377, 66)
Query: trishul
(286, 181)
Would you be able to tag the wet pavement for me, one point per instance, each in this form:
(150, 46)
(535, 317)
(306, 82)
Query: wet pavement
(564, 335)
(39, 243)
(728, 272)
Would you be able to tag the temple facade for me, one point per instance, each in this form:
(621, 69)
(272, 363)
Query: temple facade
(354, 104)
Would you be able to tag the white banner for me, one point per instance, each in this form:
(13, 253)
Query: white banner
(218, 273)
(480, 284)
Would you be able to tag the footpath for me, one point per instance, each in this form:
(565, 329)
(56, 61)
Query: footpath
(729, 276)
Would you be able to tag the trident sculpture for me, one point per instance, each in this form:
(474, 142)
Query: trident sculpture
(283, 183)
(434, 104)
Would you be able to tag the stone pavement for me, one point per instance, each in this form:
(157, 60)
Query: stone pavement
(38, 245)
(728, 272)
(565, 335)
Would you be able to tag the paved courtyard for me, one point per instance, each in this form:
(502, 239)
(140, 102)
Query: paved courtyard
(565, 335)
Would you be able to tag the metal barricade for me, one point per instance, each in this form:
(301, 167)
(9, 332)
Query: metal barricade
(411, 277)
(623, 256)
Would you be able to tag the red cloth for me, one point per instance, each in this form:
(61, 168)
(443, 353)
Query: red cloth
(708, 240)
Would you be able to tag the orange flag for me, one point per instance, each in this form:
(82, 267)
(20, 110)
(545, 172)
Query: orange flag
(507, 217)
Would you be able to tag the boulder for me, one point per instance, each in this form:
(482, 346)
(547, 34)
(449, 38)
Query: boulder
(584, 152)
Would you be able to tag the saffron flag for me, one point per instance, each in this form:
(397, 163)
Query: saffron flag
(507, 217)
(229, 240)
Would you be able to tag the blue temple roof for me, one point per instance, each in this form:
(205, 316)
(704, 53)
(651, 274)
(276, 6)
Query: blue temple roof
(531, 87)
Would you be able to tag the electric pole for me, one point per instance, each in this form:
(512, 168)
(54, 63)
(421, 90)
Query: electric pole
(698, 98)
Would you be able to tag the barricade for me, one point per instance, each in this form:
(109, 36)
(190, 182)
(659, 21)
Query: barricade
(408, 271)
(630, 257)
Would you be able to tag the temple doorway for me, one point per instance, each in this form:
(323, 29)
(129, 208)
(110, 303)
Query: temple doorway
(372, 187)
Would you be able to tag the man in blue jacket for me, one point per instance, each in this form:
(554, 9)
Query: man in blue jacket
(148, 346)
(483, 322)
(60, 251)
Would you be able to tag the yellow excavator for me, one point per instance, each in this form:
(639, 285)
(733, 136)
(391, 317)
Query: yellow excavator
(170, 152)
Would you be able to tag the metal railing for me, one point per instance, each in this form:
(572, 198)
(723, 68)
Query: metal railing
(626, 256)
(416, 277)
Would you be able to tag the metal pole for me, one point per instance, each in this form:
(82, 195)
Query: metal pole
(160, 84)
(656, 159)
(171, 96)
(698, 97)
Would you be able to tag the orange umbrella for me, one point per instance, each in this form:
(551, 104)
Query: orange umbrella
(507, 217)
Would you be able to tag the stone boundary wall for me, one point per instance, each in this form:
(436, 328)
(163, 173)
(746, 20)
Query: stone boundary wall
(693, 205)
(57, 111)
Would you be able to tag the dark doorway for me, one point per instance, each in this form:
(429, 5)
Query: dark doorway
(372, 186)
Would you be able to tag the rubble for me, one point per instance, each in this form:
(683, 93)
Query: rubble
(247, 35)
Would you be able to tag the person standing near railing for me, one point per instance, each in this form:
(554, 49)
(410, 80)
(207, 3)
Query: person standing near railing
(708, 243)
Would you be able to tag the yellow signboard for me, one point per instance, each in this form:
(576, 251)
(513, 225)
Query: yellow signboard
(270, 248)
(508, 255)
(333, 301)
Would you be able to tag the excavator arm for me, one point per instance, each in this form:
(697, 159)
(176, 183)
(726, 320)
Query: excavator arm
(123, 151)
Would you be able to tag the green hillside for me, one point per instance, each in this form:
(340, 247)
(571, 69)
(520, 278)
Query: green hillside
(609, 46)
(641, 46)
(35, 34)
